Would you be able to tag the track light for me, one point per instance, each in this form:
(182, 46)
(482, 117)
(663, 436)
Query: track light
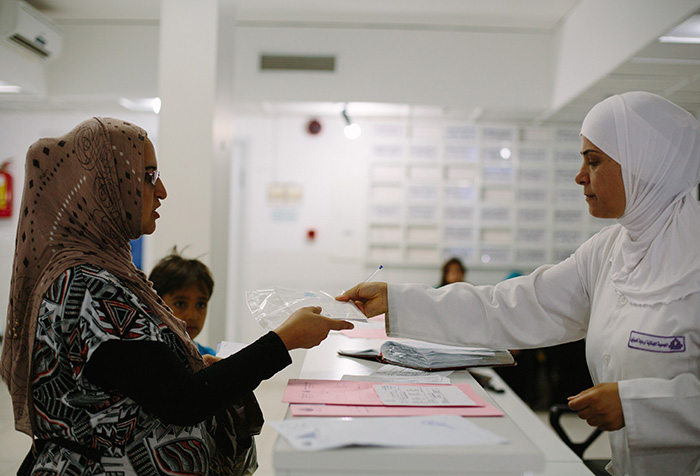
(686, 32)
(9, 88)
(352, 131)
(143, 104)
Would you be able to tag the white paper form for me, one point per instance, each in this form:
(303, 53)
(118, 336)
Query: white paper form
(226, 348)
(421, 396)
(313, 434)
(396, 374)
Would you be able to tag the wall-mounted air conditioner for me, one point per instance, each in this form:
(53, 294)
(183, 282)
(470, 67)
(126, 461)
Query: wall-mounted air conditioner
(22, 25)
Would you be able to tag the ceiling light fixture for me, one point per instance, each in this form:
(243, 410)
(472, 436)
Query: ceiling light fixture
(155, 104)
(679, 39)
(9, 88)
(352, 131)
(141, 105)
(686, 32)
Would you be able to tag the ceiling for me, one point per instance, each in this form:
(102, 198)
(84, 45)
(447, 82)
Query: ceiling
(668, 69)
(671, 70)
(532, 14)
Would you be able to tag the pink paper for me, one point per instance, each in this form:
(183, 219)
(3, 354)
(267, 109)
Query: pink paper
(349, 392)
(341, 390)
(321, 410)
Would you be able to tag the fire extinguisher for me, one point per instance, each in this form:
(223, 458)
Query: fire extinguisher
(5, 190)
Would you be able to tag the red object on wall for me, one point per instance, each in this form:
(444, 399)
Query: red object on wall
(311, 235)
(5, 191)
(313, 127)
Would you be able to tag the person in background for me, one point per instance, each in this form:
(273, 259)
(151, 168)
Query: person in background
(632, 290)
(453, 271)
(186, 285)
(102, 376)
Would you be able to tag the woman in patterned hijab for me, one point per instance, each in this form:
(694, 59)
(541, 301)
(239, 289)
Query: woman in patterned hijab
(101, 373)
(81, 204)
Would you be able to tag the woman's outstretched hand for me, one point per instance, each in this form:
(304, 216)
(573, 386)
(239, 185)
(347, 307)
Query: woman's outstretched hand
(306, 328)
(600, 406)
(370, 298)
(210, 359)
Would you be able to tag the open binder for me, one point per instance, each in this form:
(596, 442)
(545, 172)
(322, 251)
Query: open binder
(433, 357)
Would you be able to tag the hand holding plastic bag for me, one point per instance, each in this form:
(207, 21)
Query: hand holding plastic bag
(271, 307)
(306, 328)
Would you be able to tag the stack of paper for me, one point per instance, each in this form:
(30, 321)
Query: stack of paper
(424, 355)
(311, 434)
(430, 414)
(432, 357)
(349, 398)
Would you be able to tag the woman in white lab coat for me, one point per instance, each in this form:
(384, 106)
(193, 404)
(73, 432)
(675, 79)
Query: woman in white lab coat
(632, 290)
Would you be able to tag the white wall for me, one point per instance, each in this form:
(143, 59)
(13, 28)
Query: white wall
(447, 68)
(19, 68)
(106, 61)
(331, 172)
(329, 169)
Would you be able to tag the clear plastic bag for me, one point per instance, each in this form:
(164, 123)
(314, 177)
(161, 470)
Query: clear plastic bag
(271, 307)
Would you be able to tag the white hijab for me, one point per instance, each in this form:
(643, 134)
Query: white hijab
(657, 145)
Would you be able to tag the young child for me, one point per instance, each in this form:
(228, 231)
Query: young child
(186, 286)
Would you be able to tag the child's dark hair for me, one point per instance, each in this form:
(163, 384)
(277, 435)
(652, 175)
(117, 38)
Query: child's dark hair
(174, 272)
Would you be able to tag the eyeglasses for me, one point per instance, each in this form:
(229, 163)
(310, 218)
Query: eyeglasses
(153, 176)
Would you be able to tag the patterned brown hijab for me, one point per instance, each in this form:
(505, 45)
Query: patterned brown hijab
(82, 203)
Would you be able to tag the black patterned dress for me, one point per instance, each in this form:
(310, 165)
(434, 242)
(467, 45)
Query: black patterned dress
(85, 307)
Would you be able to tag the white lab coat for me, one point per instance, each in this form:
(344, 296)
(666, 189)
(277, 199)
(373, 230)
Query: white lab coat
(652, 351)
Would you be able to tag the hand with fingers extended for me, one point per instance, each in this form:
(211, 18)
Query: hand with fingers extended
(306, 328)
(210, 359)
(370, 298)
(600, 406)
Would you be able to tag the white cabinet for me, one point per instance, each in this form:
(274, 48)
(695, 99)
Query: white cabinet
(493, 195)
